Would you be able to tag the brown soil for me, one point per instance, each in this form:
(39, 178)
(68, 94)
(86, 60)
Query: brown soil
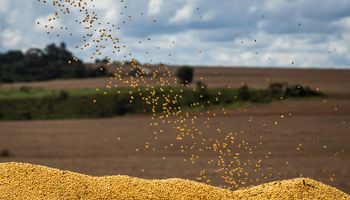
(91, 146)
(329, 81)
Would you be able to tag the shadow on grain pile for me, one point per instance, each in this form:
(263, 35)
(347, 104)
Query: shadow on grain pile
(26, 181)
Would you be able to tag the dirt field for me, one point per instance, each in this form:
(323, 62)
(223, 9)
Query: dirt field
(320, 128)
(329, 81)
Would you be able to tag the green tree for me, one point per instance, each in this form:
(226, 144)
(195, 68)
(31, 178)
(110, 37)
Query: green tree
(53, 62)
(243, 93)
(185, 75)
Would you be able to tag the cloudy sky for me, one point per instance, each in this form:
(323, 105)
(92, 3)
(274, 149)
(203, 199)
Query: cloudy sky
(281, 33)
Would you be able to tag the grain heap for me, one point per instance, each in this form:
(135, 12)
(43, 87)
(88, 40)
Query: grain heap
(26, 181)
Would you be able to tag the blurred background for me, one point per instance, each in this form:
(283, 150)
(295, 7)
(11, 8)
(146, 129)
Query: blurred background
(273, 75)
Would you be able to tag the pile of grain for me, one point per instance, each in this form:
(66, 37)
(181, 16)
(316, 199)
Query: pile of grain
(25, 181)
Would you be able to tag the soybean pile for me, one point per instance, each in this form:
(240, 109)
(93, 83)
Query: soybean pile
(27, 181)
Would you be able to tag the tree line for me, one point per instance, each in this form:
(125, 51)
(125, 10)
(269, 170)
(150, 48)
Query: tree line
(52, 62)
(36, 103)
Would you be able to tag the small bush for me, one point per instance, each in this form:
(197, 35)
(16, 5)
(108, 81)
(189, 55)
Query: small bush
(243, 93)
(202, 91)
(27, 115)
(185, 75)
(300, 91)
(63, 95)
(277, 88)
(137, 72)
(121, 110)
(260, 96)
(25, 89)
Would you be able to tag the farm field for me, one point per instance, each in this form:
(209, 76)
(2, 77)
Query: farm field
(318, 127)
(327, 80)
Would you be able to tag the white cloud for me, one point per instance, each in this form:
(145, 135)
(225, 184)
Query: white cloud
(11, 38)
(197, 32)
(109, 10)
(43, 20)
(103, 4)
(343, 23)
(275, 5)
(253, 8)
(154, 7)
(182, 15)
(208, 16)
(112, 15)
(4, 5)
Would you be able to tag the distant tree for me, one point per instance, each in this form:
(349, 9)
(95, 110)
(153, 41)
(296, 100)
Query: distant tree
(104, 60)
(63, 46)
(243, 93)
(11, 56)
(133, 62)
(138, 71)
(34, 52)
(54, 53)
(185, 75)
(51, 63)
(277, 88)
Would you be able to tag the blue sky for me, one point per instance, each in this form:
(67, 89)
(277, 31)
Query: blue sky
(273, 33)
